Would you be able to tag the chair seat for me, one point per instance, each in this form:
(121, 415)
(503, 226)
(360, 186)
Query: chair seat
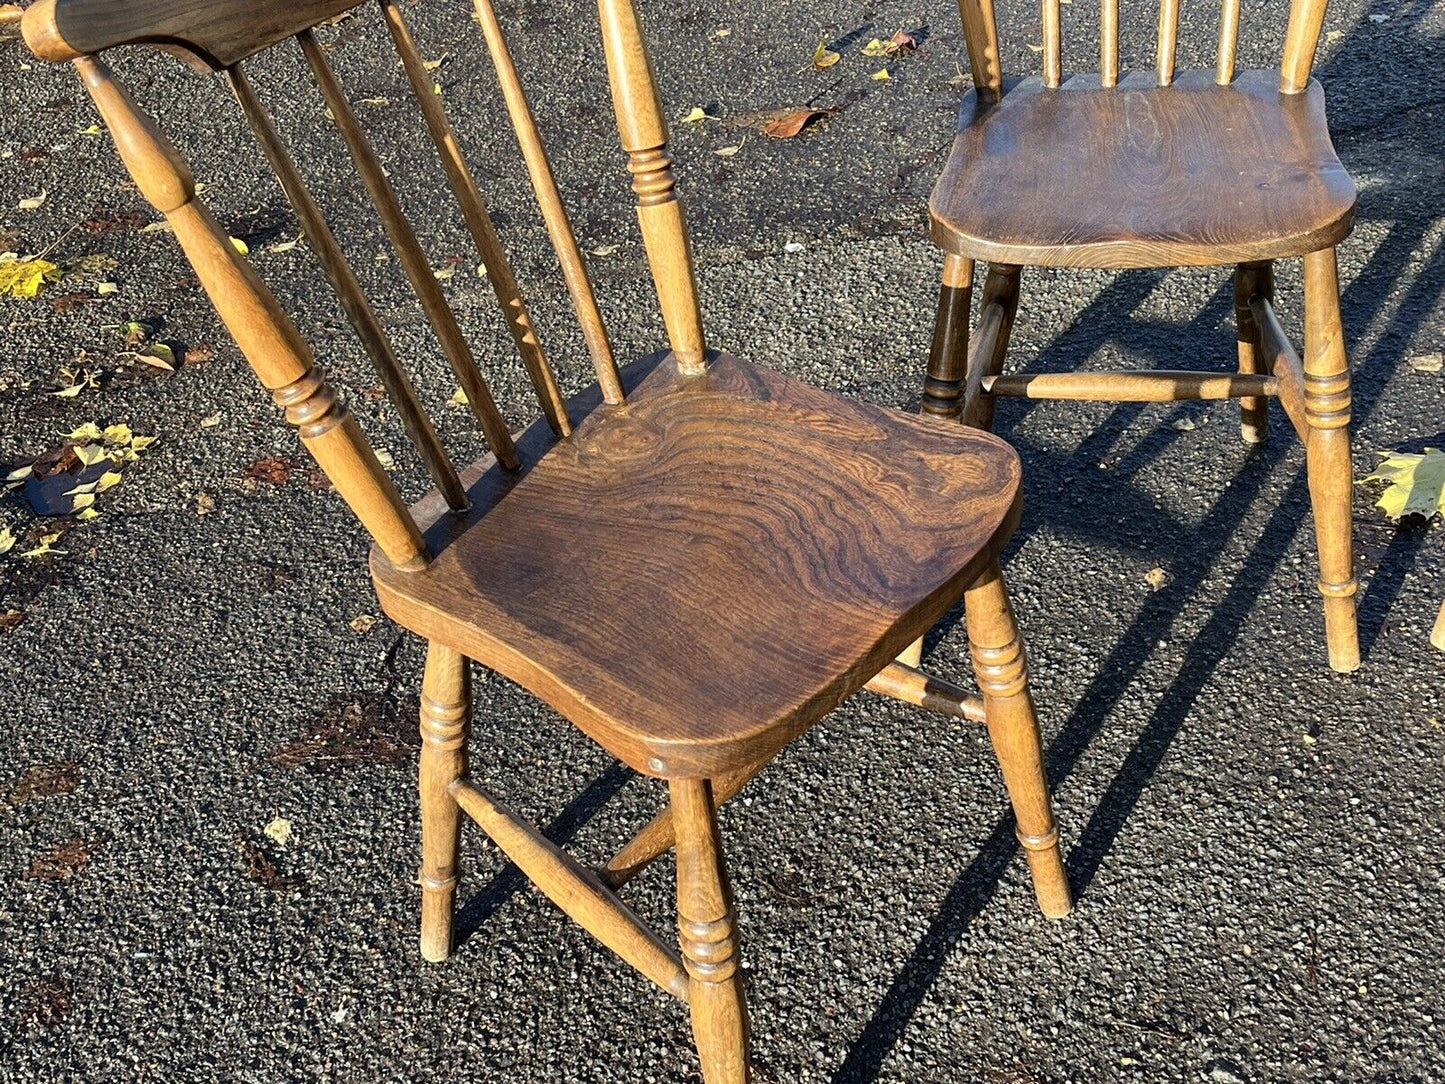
(697, 576)
(1141, 175)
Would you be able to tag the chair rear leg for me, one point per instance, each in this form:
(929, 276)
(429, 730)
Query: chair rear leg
(997, 309)
(1251, 279)
(1327, 447)
(446, 716)
(708, 924)
(1013, 726)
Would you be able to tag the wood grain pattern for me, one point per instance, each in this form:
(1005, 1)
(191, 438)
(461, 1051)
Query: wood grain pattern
(1191, 173)
(219, 32)
(696, 580)
(1132, 386)
(980, 35)
(948, 357)
(1281, 360)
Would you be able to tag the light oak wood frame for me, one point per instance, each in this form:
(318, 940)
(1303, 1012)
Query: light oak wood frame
(964, 379)
(701, 772)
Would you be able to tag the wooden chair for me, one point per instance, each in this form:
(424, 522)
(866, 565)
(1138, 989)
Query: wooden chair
(693, 560)
(1157, 170)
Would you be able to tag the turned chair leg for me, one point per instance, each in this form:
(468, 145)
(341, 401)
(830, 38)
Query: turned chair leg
(997, 308)
(1252, 279)
(708, 924)
(1013, 725)
(1327, 448)
(446, 715)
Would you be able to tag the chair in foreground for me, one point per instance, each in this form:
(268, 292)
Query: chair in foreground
(693, 560)
(1157, 170)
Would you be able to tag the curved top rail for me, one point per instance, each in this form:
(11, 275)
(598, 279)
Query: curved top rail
(219, 32)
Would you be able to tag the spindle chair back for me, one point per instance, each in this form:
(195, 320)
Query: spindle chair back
(693, 560)
(1164, 169)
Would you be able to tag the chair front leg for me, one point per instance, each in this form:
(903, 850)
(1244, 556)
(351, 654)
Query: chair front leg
(1251, 279)
(708, 924)
(446, 716)
(1327, 450)
(1013, 726)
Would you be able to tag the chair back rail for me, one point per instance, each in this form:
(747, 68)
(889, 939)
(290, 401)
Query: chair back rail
(222, 34)
(980, 31)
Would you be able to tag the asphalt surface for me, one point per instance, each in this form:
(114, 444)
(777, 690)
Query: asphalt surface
(1254, 840)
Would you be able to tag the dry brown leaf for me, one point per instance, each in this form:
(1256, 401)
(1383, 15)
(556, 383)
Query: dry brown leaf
(60, 863)
(45, 780)
(786, 127)
(273, 470)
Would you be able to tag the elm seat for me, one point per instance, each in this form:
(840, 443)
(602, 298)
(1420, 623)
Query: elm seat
(783, 543)
(1141, 175)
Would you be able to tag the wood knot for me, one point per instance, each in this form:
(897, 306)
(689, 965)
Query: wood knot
(1001, 671)
(710, 948)
(310, 404)
(652, 177)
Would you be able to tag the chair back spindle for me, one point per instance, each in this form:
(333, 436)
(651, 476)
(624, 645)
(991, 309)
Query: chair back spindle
(280, 357)
(353, 300)
(554, 213)
(643, 133)
(980, 32)
(479, 223)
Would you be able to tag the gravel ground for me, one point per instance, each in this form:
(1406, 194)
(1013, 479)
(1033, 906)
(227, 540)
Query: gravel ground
(1251, 836)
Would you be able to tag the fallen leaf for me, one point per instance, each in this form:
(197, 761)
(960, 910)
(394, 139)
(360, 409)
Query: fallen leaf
(287, 246)
(105, 288)
(7, 540)
(824, 58)
(790, 125)
(728, 152)
(273, 470)
(119, 433)
(26, 278)
(43, 1003)
(1157, 578)
(697, 116)
(60, 863)
(279, 831)
(445, 273)
(904, 42)
(45, 781)
(87, 514)
(605, 250)
(880, 75)
(878, 47)
(1426, 363)
(1184, 425)
(82, 501)
(205, 504)
(1416, 483)
(240, 246)
(459, 398)
(1333, 36)
(10, 620)
(109, 480)
(200, 353)
(348, 733)
(34, 203)
(211, 421)
(363, 622)
(263, 870)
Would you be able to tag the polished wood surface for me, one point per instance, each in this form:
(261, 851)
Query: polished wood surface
(446, 716)
(219, 32)
(1143, 175)
(644, 576)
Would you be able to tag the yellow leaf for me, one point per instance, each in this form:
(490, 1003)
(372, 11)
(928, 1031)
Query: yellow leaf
(26, 278)
(109, 480)
(879, 48)
(1416, 483)
(7, 540)
(93, 130)
(882, 74)
(117, 434)
(34, 203)
(824, 57)
(728, 152)
(140, 444)
(87, 432)
(279, 831)
(89, 454)
(19, 474)
(433, 65)
(88, 514)
(459, 398)
(81, 501)
(241, 246)
(88, 487)
(697, 116)
(159, 356)
(70, 392)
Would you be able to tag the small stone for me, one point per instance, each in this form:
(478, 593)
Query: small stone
(363, 622)
(205, 504)
(1157, 578)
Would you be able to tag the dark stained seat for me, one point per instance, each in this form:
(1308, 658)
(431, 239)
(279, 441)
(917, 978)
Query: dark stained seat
(1141, 175)
(697, 576)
